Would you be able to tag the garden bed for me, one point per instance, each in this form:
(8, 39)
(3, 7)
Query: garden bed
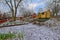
(10, 36)
(16, 23)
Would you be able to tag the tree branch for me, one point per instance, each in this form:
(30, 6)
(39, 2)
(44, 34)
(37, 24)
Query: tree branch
(11, 3)
(15, 7)
(18, 3)
(15, 3)
(8, 4)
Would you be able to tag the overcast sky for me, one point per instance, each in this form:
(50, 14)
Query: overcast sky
(35, 5)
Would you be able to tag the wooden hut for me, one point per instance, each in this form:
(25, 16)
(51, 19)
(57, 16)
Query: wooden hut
(44, 15)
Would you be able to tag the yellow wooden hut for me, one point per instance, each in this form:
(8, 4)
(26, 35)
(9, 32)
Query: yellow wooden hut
(44, 15)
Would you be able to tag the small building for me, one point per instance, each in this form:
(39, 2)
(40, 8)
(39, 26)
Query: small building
(34, 15)
(45, 14)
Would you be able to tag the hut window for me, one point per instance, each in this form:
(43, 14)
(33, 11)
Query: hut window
(43, 13)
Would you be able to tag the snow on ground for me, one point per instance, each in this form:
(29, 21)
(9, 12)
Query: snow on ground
(34, 32)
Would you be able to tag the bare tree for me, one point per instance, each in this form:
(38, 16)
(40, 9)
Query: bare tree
(13, 5)
(56, 10)
(55, 7)
(26, 12)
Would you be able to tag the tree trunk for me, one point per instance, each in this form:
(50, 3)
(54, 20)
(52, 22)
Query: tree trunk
(15, 14)
(13, 17)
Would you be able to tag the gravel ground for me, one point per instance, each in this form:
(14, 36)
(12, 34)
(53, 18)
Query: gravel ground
(34, 32)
